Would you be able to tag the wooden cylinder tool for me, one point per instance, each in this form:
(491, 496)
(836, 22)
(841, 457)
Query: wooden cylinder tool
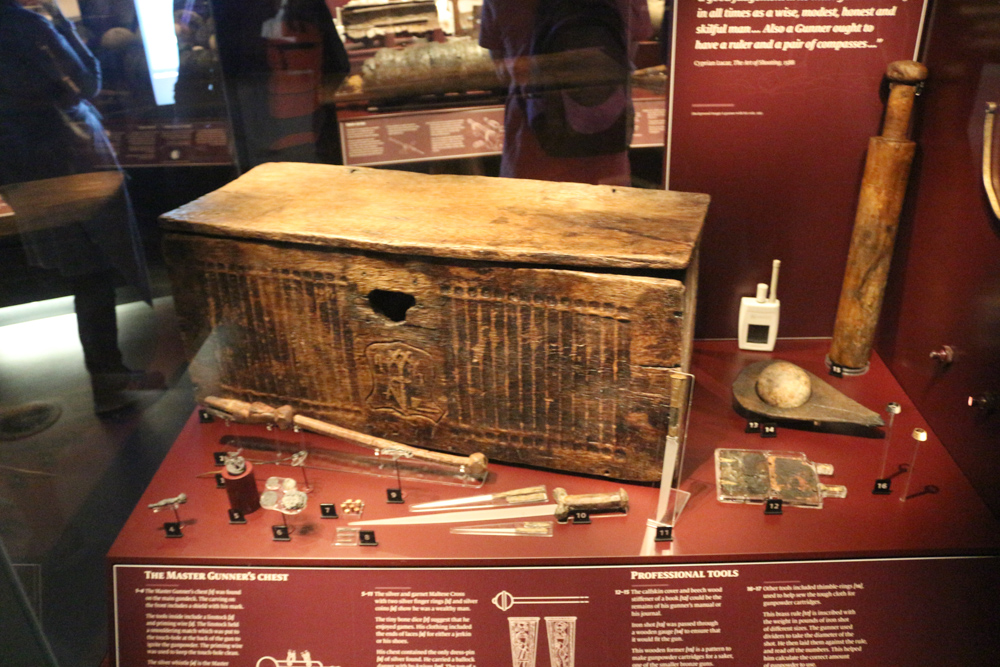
(887, 170)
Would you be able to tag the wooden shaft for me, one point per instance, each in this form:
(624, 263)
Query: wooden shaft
(475, 463)
(879, 204)
(887, 170)
(904, 77)
(285, 417)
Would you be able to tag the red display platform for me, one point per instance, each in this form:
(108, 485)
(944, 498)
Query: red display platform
(735, 586)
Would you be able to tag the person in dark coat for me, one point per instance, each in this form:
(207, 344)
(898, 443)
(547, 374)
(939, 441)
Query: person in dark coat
(50, 130)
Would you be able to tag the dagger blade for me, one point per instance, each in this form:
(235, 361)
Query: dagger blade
(566, 507)
(459, 516)
(531, 494)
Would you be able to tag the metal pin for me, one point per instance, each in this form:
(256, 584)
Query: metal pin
(930, 488)
(920, 435)
(893, 409)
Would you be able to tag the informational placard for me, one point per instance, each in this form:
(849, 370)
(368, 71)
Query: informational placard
(423, 136)
(778, 614)
(650, 122)
(772, 103)
(182, 143)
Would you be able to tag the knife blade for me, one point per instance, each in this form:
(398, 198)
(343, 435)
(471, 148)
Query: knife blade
(566, 507)
(531, 494)
(514, 528)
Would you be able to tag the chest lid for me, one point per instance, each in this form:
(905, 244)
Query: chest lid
(478, 218)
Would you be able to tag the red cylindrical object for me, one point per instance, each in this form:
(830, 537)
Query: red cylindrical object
(242, 490)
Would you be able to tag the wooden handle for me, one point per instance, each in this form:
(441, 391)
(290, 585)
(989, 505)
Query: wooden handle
(904, 77)
(592, 503)
(530, 494)
(285, 417)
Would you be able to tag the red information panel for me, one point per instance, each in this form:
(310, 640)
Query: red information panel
(772, 106)
(780, 614)
(422, 136)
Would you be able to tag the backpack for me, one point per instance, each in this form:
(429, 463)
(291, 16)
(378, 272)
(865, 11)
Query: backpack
(570, 119)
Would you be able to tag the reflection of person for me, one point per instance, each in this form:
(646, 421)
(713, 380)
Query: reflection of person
(249, 70)
(507, 29)
(303, 49)
(50, 130)
(196, 92)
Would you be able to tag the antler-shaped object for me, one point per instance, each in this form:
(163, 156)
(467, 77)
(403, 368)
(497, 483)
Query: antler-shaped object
(170, 503)
(474, 465)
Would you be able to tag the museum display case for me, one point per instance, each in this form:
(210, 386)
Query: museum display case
(415, 414)
(762, 587)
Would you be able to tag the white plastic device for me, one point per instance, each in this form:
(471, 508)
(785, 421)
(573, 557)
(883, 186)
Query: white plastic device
(759, 315)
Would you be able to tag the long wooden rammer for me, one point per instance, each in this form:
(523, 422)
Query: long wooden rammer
(887, 170)
(475, 465)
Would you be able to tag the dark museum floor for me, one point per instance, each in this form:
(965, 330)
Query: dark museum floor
(65, 492)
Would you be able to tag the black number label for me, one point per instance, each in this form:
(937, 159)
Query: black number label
(664, 534)
(883, 487)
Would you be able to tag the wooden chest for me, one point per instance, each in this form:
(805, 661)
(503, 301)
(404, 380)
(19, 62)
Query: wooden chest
(537, 323)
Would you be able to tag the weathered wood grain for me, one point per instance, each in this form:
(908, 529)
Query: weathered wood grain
(527, 363)
(876, 220)
(457, 217)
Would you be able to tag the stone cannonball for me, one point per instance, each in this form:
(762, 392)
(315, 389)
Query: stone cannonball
(784, 385)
